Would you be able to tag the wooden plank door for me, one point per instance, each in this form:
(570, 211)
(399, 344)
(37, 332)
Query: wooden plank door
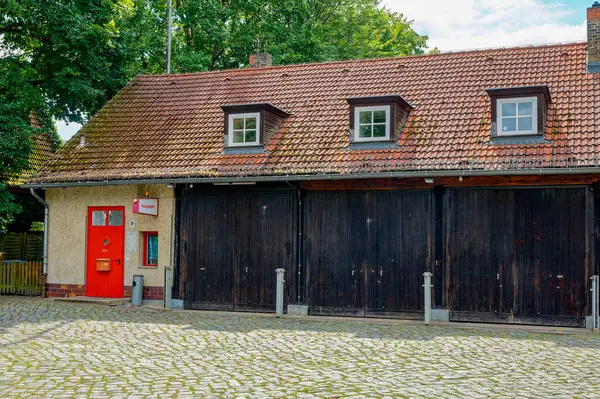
(551, 254)
(265, 240)
(231, 244)
(479, 254)
(399, 249)
(334, 245)
(208, 246)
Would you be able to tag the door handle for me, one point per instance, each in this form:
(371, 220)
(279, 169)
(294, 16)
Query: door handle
(118, 262)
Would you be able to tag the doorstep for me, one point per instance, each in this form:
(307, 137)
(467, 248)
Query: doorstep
(95, 300)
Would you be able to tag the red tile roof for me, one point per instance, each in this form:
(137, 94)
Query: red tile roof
(171, 126)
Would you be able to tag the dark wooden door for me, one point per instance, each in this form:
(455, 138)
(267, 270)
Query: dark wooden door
(332, 225)
(265, 236)
(517, 255)
(479, 252)
(208, 247)
(366, 251)
(550, 253)
(231, 244)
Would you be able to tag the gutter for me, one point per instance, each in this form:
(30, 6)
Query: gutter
(45, 244)
(340, 176)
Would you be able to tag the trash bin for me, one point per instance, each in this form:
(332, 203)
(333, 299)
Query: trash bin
(137, 289)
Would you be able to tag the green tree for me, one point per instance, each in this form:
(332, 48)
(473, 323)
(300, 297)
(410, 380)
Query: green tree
(220, 34)
(58, 59)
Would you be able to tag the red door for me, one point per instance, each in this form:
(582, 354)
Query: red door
(105, 251)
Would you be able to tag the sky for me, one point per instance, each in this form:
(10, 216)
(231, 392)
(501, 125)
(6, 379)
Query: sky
(471, 24)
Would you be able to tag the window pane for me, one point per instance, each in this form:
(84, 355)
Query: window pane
(152, 249)
(238, 136)
(509, 124)
(238, 123)
(525, 108)
(250, 136)
(525, 123)
(365, 116)
(379, 117)
(509, 109)
(115, 218)
(250, 123)
(364, 131)
(98, 218)
(378, 130)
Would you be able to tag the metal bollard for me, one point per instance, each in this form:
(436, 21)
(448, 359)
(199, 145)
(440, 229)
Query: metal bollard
(595, 304)
(427, 286)
(168, 287)
(279, 292)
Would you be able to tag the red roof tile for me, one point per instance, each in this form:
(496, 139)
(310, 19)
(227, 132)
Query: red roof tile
(170, 126)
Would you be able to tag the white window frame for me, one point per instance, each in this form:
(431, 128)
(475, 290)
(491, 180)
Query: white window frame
(357, 111)
(230, 142)
(517, 100)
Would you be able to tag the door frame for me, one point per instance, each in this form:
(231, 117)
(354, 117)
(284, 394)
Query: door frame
(107, 208)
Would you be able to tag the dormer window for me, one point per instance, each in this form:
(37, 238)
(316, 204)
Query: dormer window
(517, 116)
(249, 127)
(373, 123)
(377, 121)
(519, 113)
(244, 129)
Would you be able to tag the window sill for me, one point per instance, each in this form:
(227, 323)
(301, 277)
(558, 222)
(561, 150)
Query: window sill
(520, 139)
(148, 267)
(372, 145)
(254, 149)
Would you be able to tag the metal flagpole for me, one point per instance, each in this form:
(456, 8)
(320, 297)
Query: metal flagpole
(169, 7)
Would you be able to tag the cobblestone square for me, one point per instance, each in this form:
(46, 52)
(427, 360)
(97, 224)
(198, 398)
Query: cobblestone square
(62, 350)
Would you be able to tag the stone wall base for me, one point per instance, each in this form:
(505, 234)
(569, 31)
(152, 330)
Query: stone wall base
(64, 290)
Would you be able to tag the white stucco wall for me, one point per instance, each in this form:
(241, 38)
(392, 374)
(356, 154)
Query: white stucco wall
(67, 230)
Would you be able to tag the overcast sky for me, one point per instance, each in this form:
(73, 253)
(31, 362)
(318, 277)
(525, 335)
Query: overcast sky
(470, 24)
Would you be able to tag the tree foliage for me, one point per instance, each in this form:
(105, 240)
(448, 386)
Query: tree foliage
(217, 34)
(64, 59)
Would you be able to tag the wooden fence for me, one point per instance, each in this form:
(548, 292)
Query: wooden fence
(20, 278)
(22, 246)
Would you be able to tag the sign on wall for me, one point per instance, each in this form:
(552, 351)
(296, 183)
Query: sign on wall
(146, 206)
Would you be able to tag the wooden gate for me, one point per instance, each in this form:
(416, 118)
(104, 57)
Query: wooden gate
(20, 278)
(366, 251)
(231, 244)
(518, 255)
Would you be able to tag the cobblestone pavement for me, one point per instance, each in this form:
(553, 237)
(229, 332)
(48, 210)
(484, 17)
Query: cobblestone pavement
(61, 350)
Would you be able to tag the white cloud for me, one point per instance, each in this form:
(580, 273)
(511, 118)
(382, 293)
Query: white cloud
(468, 24)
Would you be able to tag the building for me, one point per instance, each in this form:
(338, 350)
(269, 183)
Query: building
(356, 177)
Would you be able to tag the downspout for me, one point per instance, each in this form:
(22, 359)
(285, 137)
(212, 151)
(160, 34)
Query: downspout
(299, 246)
(45, 244)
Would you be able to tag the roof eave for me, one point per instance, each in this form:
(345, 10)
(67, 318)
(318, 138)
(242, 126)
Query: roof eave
(341, 176)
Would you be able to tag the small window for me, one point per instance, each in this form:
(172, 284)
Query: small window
(517, 116)
(98, 218)
(115, 218)
(243, 129)
(372, 123)
(150, 249)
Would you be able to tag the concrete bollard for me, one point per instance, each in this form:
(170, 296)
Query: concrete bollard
(279, 292)
(427, 286)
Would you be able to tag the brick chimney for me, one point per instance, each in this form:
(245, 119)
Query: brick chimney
(593, 38)
(260, 60)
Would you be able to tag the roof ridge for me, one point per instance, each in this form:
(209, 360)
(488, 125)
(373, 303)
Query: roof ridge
(366, 60)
